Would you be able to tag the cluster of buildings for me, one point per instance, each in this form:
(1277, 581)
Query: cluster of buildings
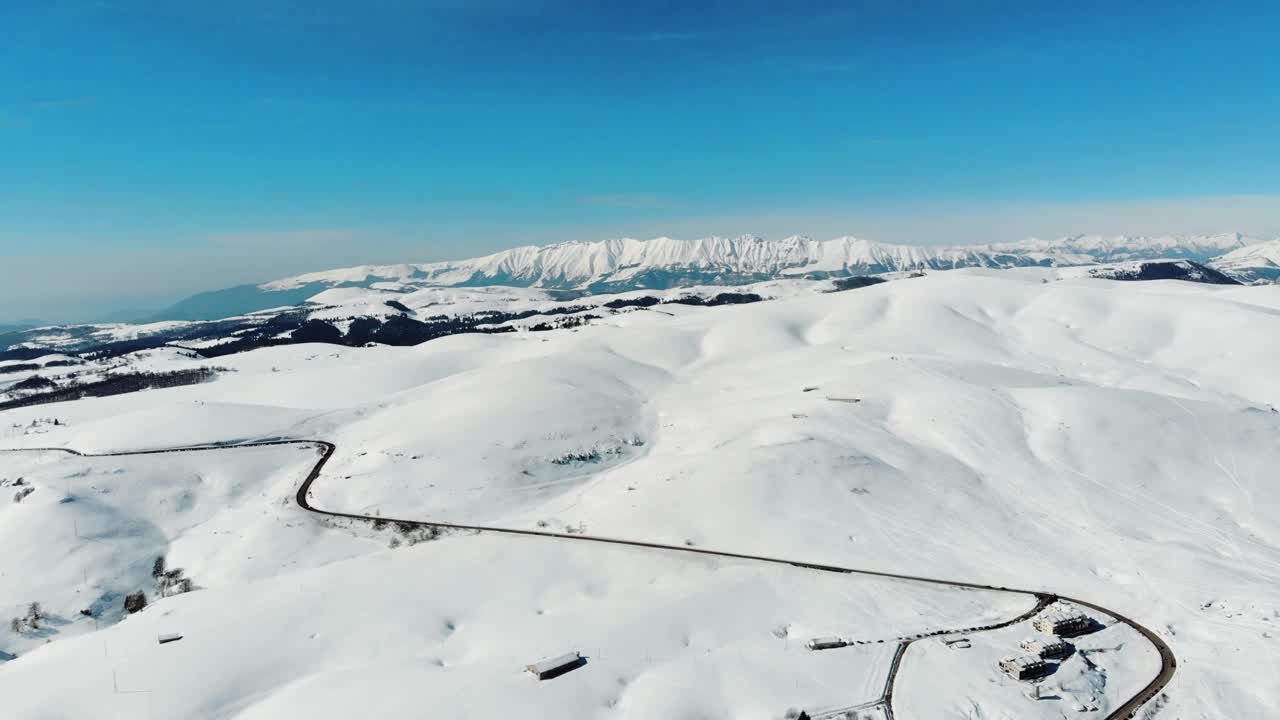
(1059, 622)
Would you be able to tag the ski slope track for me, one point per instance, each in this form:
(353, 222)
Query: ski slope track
(1129, 709)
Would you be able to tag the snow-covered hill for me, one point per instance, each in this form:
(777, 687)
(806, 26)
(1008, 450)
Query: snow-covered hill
(1253, 263)
(410, 311)
(388, 313)
(628, 264)
(1113, 441)
(1188, 270)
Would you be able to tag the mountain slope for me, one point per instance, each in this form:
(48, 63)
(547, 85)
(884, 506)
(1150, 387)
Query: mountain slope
(1252, 263)
(1187, 270)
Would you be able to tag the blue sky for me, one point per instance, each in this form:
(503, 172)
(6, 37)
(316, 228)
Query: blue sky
(152, 149)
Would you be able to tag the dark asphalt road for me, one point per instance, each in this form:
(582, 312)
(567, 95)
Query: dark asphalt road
(1168, 663)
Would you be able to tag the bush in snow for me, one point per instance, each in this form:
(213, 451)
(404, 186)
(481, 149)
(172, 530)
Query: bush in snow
(414, 534)
(169, 581)
(592, 455)
(134, 602)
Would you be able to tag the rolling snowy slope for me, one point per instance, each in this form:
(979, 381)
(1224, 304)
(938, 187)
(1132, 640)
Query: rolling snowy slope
(1112, 441)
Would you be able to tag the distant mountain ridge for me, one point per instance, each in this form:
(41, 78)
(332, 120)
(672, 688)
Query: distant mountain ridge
(1259, 262)
(625, 264)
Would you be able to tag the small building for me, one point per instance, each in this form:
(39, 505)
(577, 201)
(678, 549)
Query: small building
(168, 638)
(1048, 649)
(1024, 667)
(554, 667)
(1063, 621)
(826, 643)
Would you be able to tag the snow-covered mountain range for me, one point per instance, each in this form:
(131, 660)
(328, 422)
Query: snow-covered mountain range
(626, 264)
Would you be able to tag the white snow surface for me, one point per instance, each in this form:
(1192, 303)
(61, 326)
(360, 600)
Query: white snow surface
(1112, 441)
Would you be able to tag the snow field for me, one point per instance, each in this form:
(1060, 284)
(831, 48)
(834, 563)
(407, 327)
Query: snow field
(1110, 441)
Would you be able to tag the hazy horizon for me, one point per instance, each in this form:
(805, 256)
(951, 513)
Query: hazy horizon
(141, 307)
(205, 147)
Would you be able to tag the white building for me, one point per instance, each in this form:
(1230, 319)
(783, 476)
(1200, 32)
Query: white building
(826, 643)
(1024, 667)
(1049, 649)
(556, 666)
(1062, 621)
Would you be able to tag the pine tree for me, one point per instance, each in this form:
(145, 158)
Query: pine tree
(133, 602)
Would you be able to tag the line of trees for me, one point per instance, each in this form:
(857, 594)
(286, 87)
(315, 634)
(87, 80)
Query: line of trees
(24, 367)
(116, 385)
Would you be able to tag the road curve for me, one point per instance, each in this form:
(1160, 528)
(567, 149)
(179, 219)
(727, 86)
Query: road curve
(1126, 711)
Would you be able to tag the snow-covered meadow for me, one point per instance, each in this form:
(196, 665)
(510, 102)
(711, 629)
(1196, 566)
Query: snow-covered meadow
(1112, 441)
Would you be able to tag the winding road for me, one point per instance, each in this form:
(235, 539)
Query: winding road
(1129, 709)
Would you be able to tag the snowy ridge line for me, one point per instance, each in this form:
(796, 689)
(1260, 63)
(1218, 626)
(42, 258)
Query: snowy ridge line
(1126, 711)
